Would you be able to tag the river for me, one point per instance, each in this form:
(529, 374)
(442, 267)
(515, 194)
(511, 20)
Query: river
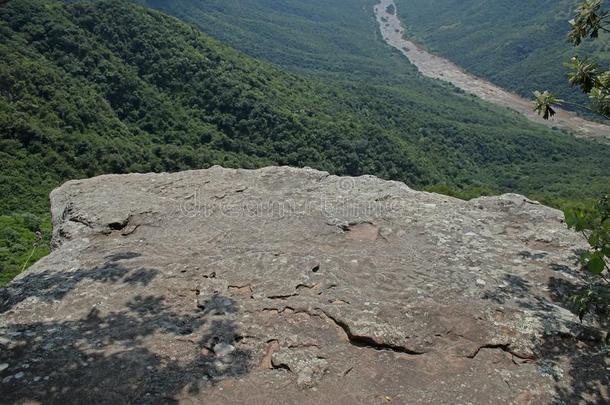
(435, 67)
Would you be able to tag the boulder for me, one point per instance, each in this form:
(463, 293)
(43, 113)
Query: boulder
(285, 285)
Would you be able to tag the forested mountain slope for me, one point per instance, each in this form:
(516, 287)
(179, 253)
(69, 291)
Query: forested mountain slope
(338, 41)
(518, 44)
(113, 88)
(313, 36)
(109, 87)
(335, 38)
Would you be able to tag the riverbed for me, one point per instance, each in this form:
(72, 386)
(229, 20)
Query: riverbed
(436, 67)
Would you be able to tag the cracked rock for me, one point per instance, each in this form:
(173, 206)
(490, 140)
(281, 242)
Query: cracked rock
(308, 367)
(366, 293)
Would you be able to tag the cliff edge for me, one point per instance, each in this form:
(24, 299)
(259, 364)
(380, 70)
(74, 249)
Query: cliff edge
(285, 285)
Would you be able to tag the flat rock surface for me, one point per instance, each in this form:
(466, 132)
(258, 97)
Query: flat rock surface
(286, 285)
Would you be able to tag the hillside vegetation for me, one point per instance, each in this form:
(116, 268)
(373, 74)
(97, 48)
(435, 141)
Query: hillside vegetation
(337, 41)
(520, 45)
(110, 87)
(330, 38)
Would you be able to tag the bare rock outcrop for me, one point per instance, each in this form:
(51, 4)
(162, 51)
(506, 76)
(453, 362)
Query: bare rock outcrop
(286, 285)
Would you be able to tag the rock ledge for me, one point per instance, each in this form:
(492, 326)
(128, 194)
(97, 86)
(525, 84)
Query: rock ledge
(291, 285)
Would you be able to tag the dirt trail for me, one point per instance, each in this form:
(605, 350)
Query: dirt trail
(438, 68)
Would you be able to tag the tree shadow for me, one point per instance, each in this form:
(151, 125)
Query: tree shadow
(579, 348)
(145, 352)
(513, 287)
(532, 256)
(49, 286)
(587, 378)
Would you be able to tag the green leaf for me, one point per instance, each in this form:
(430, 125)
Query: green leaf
(583, 74)
(544, 102)
(596, 264)
(570, 218)
(593, 239)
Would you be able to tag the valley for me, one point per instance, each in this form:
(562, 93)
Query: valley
(263, 201)
(114, 87)
(436, 67)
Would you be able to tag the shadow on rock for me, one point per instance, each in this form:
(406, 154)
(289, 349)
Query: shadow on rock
(47, 286)
(146, 352)
(578, 347)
